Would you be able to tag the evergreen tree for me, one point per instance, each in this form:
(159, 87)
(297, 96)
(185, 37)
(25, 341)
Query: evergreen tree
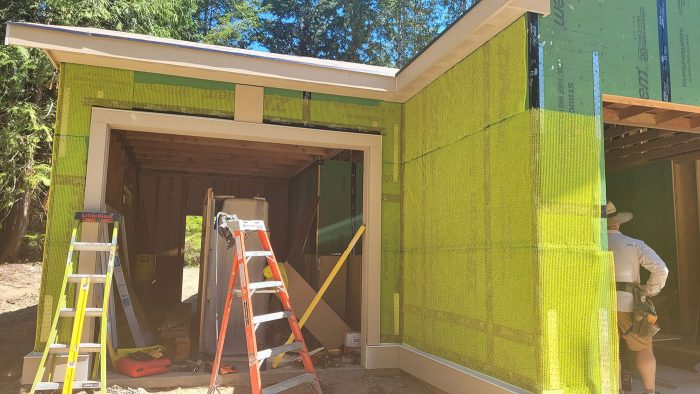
(28, 93)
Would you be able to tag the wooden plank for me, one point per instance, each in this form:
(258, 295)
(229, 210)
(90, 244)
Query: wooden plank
(631, 111)
(612, 131)
(150, 146)
(220, 177)
(170, 240)
(658, 154)
(685, 190)
(208, 171)
(696, 333)
(116, 167)
(207, 217)
(184, 155)
(649, 120)
(665, 116)
(218, 164)
(301, 232)
(632, 139)
(610, 99)
(234, 144)
(651, 145)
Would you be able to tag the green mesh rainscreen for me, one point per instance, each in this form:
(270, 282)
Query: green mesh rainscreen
(501, 232)
(81, 88)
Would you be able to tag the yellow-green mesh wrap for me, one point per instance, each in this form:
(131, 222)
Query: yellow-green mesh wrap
(81, 88)
(502, 264)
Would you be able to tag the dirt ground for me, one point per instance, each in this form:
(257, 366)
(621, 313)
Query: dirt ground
(19, 294)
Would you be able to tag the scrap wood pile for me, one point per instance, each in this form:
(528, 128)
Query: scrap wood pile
(175, 332)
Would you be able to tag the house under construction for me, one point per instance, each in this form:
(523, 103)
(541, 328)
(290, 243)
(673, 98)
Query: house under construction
(481, 171)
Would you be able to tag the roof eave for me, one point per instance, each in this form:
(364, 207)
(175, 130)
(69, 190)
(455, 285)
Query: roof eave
(479, 25)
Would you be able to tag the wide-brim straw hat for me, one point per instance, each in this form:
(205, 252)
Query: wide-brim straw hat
(615, 217)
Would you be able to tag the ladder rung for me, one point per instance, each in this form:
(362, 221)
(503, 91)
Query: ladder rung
(268, 284)
(92, 246)
(83, 348)
(271, 316)
(237, 292)
(89, 312)
(85, 384)
(258, 253)
(288, 384)
(267, 353)
(94, 278)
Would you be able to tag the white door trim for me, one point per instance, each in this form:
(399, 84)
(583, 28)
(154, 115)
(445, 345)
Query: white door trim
(104, 120)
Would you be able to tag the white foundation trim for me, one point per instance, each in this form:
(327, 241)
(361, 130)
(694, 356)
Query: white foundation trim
(441, 373)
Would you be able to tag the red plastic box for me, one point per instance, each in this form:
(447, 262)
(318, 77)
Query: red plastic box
(136, 369)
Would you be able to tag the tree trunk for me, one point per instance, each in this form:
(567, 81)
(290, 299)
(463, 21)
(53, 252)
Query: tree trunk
(14, 228)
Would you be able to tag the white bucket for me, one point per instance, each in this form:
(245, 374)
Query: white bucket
(352, 339)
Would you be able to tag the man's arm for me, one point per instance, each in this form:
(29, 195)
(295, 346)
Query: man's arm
(653, 263)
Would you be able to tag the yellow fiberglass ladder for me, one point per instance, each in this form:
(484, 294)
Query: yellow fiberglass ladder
(79, 312)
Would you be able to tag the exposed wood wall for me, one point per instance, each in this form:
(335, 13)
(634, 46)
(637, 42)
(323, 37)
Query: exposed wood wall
(156, 203)
(687, 205)
(122, 188)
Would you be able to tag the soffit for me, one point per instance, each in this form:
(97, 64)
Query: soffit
(642, 131)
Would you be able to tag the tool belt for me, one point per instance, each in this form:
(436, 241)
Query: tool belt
(625, 286)
(644, 315)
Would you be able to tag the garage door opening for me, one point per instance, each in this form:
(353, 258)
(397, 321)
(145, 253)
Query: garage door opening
(168, 176)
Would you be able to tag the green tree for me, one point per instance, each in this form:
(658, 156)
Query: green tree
(229, 22)
(301, 27)
(456, 8)
(193, 240)
(28, 94)
(407, 27)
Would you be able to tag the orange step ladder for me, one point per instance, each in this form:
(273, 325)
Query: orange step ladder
(256, 357)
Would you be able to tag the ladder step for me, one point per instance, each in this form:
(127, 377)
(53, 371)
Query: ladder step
(267, 353)
(271, 316)
(268, 284)
(85, 384)
(258, 253)
(89, 312)
(288, 384)
(92, 246)
(94, 278)
(83, 348)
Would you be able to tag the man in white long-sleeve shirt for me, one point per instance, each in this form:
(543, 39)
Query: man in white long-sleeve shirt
(629, 255)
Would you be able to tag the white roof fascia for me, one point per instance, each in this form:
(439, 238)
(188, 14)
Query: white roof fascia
(473, 30)
(195, 60)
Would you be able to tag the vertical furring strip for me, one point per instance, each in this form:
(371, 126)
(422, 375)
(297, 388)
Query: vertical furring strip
(534, 60)
(664, 61)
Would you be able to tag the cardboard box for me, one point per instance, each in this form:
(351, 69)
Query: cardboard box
(31, 364)
(323, 322)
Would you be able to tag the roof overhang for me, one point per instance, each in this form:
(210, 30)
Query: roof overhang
(137, 52)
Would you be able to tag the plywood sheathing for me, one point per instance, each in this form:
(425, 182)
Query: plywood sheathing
(215, 156)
